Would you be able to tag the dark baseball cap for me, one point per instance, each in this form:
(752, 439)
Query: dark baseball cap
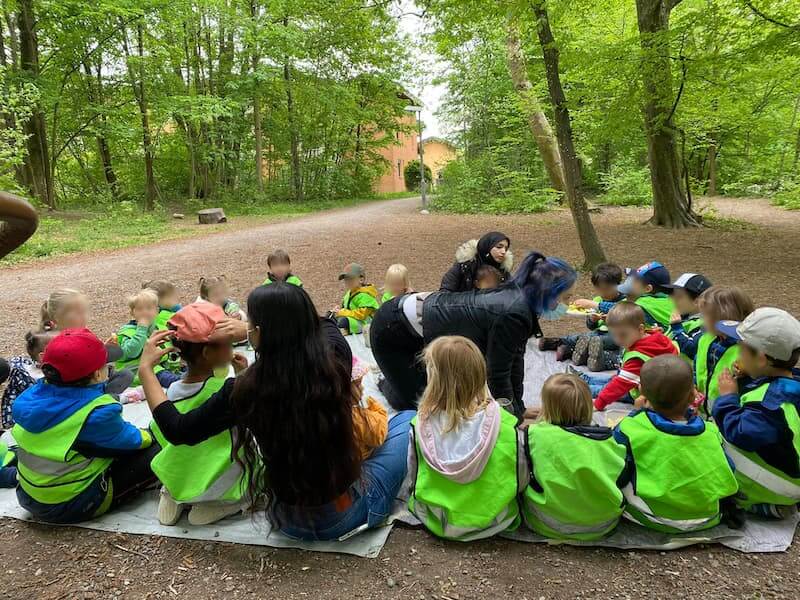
(653, 273)
(352, 271)
(691, 282)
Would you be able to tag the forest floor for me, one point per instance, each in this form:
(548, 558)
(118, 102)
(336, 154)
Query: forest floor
(748, 243)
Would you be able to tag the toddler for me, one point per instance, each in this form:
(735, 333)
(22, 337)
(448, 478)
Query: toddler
(396, 282)
(280, 269)
(648, 287)
(65, 309)
(215, 290)
(360, 300)
(370, 422)
(686, 323)
(24, 371)
(168, 305)
(488, 277)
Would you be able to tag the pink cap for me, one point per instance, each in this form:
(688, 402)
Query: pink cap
(196, 322)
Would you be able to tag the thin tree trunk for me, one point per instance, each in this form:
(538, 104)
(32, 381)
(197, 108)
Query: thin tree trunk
(573, 179)
(255, 60)
(671, 207)
(297, 176)
(791, 131)
(96, 97)
(37, 164)
(537, 120)
(796, 152)
(712, 169)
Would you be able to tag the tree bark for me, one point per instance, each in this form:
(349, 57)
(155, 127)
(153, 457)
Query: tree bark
(297, 176)
(537, 120)
(37, 164)
(671, 206)
(255, 60)
(96, 97)
(712, 169)
(573, 178)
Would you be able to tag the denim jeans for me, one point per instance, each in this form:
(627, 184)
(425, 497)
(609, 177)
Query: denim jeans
(8, 477)
(595, 382)
(167, 378)
(372, 496)
(608, 341)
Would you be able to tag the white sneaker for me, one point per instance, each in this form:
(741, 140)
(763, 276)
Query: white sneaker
(169, 511)
(211, 512)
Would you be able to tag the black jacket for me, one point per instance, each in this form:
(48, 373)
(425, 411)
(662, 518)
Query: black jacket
(500, 323)
(461, 276)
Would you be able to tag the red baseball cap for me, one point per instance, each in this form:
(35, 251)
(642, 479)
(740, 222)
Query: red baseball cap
(75, 354)
(196, 322)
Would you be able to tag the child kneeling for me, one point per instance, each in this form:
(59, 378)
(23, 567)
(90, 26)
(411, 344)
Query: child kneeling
(573, 493)
(203, 477)
(466, 459)
(679, 473)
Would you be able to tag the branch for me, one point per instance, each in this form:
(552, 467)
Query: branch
(769, 19)
(682, 58)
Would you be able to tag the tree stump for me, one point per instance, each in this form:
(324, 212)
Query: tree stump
(211, 216)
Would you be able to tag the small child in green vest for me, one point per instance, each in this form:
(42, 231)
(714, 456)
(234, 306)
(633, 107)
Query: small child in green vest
(573, 493)
(758, 415)
(189, 473)
(280, 269)
(716, 352)
(686, 322)
(359, 303)
(168, 305)
(679, 475)
(396, 282)
(465, 458)
(215, 290)
(648, 286)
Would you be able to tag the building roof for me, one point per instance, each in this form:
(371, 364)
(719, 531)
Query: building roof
(427, 140)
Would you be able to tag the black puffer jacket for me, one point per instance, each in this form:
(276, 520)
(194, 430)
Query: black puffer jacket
(469, 257)
(500, 323)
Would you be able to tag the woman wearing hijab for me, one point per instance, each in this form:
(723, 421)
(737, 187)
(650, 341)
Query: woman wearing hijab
(493, 249)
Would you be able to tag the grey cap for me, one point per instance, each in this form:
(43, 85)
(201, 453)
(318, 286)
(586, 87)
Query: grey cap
(352, 271)
(772, 331)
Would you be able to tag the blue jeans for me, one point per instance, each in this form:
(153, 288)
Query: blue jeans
(8, 477)
(372, 496)
(167, 378)
(595, 382)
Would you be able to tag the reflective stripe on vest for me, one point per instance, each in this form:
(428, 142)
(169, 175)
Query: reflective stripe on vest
(647, 514)
(760, 475)
(499, 524)
(570, 528)
(632, 377)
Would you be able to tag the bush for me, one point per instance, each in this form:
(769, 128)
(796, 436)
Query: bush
(626, 184)
(788, 196)
(411, 176)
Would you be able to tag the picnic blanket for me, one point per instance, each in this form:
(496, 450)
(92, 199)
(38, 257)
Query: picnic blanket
(139, 516)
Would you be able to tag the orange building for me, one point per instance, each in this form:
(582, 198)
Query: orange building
(436, 153)
(398, 155)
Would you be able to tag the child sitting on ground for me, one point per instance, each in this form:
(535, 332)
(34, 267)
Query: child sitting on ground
(466, 462)
(168, 305)
(647, 286)
(77, 456)
(202, 478)
(606, 278)
(65, 309)
(280, 269)
(573, 493)
(396, 283)
(626, 322)
(24, 371)
(760, 424)
(679, 474)
(132, 336)
(488, 277)
(686, 323)
(717, 353)
(370, 422)
(360, 300)
(215, 290)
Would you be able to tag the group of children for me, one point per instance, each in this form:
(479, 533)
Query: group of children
(713, 432)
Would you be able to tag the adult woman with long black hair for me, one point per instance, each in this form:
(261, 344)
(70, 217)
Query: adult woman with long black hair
(291, 416)
(499, 321)
(492, 249)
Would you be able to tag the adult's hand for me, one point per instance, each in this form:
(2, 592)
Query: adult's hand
(153, 350)
(230, 330)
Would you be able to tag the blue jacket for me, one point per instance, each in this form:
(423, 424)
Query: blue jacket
(761, 427)
(603, 307)
(104, 434)
(687, 342)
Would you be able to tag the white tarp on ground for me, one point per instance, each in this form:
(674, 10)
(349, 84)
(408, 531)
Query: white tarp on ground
(140, 515)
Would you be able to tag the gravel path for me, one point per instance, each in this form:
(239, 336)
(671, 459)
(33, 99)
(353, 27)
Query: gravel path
(760, 255)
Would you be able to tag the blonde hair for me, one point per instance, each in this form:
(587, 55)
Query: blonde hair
(208, 283)
(398, 271)
(146, 296)
(456, 380)
(566, 401)
(723, 303)
(54, 306)
(160, 287)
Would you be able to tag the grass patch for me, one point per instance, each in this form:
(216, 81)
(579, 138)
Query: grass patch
(714, 221)
(60, 234)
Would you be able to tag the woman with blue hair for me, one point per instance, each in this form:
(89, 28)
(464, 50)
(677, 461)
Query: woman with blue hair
(500, 321)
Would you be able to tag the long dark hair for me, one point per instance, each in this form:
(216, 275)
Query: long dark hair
(543, 279)
(293, 406)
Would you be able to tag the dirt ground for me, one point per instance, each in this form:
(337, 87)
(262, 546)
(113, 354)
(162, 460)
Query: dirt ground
(751, 244)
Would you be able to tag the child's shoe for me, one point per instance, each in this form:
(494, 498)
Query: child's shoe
(596, 358)
(547, 344)
(211, 512)
(563, 353)
(580, 354)
(132, 395)
(169, 511)
(772, 512)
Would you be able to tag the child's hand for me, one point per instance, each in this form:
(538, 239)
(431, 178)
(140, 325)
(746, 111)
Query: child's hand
(239, 362)
(585, 304)
(727, 383)
(675, 318)
(144, 322)
(640, 402)
(596, 317)
(112, 341)
(154, 350)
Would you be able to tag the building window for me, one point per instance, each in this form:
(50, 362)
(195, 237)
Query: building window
(399, 168)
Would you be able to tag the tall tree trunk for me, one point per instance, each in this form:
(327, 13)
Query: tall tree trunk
(137, 83)
(537, 120)
(255, 60)
(573, 179)
(37, 163)
(791, 131)
(671, 206)
(8, 117)
(712, 169)
(297, 175)
(96, 98)
(796, 152)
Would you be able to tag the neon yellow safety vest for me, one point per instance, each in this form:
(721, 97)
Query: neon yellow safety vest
(48, 469)
(127, 332)
(601, 324)
(678, 480)
(204, 472)
(659, 306)
(573, 492)
(708, 384)
(627, 355)
(386, 297)
(173, 363)
(6, 455)
(475, 510)
(759, 482)
(291, 279)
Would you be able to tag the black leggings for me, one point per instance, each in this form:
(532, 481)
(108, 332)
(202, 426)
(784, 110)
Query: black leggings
(396, 349)
(131, 474)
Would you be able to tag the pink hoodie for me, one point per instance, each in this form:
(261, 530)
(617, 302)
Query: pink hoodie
(460, 454)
